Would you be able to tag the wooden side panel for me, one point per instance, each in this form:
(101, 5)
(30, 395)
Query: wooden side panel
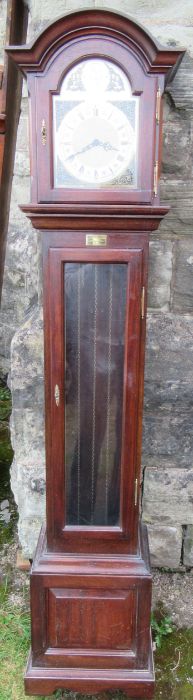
(83, 618)
(88, 622)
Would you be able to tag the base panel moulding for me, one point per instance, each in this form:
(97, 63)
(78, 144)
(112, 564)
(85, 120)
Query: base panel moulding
(136, 684)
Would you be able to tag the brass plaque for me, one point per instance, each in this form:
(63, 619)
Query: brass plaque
(96, 239)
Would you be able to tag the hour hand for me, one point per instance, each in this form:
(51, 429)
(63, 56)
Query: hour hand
(93, 144)
(83, 150)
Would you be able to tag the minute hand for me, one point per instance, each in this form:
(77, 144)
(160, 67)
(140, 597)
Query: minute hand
(94, 144)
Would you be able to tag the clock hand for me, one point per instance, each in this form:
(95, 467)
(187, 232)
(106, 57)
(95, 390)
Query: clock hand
(108, 147)
(83, 150)
(95, 143)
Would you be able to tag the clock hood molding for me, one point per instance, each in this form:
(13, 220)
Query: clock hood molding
(154, 58)
(58, 217)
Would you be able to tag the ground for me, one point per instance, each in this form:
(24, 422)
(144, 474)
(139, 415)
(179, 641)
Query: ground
(175, 590)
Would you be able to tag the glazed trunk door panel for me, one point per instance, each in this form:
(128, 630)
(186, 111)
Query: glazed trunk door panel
(94, 300)
(95, 308)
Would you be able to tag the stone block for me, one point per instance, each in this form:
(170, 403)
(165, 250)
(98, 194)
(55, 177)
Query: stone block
(168, 420)
(45, 12)
(2, 29)
(181, 88)
(22, 164)
(28, 532)
(6, 334)
(177, 194)
(18, 294)
(21, 189)
(14, 296)
(182, 281)
(168, 496)
(22, 251)
(27, 428)
(169, 350)
(177, 141)
(168, 396)
(27, 358)
(23, 134)
(168, 435)
(165, 545)
(160, 274)
(170, 23)
(27, 485)
(188, 547)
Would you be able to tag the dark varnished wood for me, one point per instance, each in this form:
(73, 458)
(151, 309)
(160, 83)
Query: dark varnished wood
(136, 683)
(129, 218)
(137, 39)
(2, 119)
(91, 586)
(142, 85)
(90, 623)
(102, 34)
(77, 538)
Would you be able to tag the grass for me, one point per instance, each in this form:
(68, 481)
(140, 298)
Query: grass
(14, 646)
(14, 634)
(174, 667)
(161, 627)
(5, 402)
(6, 452)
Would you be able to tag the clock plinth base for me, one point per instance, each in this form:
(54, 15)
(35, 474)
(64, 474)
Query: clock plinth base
(137, 684)
(91, 623)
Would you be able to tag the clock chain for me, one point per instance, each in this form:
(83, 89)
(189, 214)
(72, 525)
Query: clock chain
(78, 396)
(108, 391)
(94, 394)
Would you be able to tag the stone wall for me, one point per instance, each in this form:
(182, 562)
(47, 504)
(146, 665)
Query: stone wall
(167, 503)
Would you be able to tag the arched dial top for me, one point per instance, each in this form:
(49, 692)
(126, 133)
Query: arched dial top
(95, 127)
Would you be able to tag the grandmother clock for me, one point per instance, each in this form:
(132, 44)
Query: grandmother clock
(95, 83)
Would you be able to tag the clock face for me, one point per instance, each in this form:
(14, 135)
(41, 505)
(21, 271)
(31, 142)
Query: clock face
(95, 128)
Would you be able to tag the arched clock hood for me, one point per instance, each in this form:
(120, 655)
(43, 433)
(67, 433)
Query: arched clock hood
(155, 58)
(149, 68)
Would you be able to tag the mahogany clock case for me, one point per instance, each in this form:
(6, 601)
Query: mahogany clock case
(95, 197)
(91, 586)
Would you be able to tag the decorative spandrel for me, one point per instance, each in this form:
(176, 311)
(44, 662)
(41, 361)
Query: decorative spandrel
(95, 315)
(95, 128)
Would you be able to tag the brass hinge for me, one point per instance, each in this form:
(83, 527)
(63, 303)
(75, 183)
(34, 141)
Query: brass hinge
(57, 395)
(44, 132)
(158, 105)
(136, 491)
(143, 302)
(155, 178)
